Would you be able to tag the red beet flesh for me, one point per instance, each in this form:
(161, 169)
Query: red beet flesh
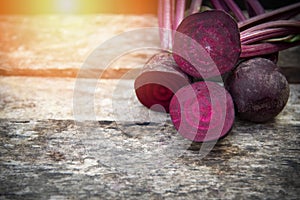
(258, 89)
(158, 81)
(202, 111)
(218, 36)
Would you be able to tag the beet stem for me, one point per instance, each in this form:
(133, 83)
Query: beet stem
(236, 10)
(173, 15)
(160, 22)
(219, 5)
(265, 48)
(173, 19)
(165, 23)
(180, 8)
(280, 13)
(254, 8)
(195, 5)
(273, 24)
(266, 34)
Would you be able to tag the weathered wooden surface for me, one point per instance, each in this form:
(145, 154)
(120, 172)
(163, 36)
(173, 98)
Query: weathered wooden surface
(53, 98)
(52, 159)
(43, 157)
(58, 45)
(120, 150)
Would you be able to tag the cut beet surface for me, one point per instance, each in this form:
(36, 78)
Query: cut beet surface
(207, 44)
(202, 111)
(159, 80)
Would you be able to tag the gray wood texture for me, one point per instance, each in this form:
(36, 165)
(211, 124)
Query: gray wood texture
(49, 159)
(68, 138)
(44, 156)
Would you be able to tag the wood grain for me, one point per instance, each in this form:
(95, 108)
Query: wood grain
(59, 45)
(52, 159)
(45, 153)
(67, 138)
(107, 99)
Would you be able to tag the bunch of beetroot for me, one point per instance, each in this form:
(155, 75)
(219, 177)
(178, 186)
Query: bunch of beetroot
(220, 42)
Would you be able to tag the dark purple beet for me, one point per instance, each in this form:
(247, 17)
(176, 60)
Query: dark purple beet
(218, 36)
(258, 89)
(202, 111)
(159, 80)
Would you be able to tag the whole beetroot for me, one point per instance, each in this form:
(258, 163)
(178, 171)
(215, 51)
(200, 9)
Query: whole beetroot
(258, 89)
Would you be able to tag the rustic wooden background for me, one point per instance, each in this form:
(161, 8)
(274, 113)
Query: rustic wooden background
(123, 152)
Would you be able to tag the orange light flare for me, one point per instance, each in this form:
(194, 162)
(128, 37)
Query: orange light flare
(78, 6)
(43, 34)
(52, 32)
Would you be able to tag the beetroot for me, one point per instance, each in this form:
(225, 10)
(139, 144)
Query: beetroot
(158, 81)
(218, 34)
(258, 89)
(202, 111)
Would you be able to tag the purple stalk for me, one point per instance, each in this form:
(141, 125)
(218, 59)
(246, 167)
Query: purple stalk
(259, 35)
(281, 13)
(169, 19)
(265, 48)
(173, 18)
(219, 5)
(195, 5)
(254, 8)
(180, 8)
(273, 24)
(173, 15)
(287, 15)
(267, 30)
(165, 23)
(236, 10)
(168, 23)
(160, 23)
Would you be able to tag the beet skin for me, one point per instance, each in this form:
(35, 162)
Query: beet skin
(258, 89)
(202, 111)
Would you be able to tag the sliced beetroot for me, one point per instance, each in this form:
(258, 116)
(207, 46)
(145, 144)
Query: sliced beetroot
(258, 89)
(202, 111)
(218, 36)
(159, 80)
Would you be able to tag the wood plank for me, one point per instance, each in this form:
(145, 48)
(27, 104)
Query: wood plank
(119, 149)
(59, 159)
(53, 98)
(59, 46)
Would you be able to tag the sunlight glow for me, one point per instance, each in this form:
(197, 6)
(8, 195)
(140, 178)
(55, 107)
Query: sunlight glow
(66, 6)
(78, 6)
